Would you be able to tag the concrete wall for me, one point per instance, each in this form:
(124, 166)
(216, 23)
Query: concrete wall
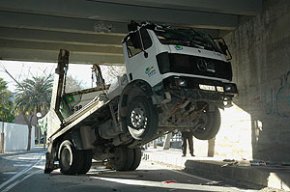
(16, 137)
(261, 64)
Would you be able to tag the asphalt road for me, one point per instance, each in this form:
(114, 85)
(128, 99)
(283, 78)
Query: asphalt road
(24, 172)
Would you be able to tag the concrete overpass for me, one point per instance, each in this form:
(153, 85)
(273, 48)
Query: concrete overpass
(257, 33)
(34, 30)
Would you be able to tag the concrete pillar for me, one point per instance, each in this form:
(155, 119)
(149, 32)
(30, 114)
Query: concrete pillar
(211, 146)
(166, 145)
(154, 144)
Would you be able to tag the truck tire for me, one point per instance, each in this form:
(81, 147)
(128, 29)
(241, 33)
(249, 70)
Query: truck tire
(70, 159)
(141, 118)
(209, 125)
(86, 162)
(137, 159)
(123, 159)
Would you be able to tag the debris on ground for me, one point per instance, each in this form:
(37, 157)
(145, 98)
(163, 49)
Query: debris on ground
(253, 163)
(169, 181)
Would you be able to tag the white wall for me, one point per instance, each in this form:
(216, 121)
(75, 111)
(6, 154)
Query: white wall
(16, 137)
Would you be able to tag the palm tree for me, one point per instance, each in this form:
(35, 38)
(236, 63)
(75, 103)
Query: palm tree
(33, 96)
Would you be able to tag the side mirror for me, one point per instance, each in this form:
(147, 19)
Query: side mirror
(223, 47)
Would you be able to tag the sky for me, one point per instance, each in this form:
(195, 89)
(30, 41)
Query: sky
(23, 70)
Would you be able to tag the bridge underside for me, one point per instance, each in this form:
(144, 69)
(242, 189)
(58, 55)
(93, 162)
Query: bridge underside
(34, 30)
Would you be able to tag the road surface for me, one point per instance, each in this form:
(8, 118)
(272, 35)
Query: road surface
(24, 172)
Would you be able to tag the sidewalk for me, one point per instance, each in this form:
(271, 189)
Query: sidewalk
(33, 150)
(244, 172)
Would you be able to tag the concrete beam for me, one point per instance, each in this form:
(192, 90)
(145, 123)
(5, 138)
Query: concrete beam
(120, 13)
(57, 23)
(236, 7)
(65, 24)
(35, 55)
(60, 37)
(93, 49)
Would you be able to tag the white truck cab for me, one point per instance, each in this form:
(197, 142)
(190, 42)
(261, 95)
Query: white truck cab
(186, 73)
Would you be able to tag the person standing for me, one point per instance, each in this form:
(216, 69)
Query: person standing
(187, 136)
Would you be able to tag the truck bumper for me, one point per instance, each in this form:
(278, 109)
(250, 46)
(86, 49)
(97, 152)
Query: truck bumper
(201, 89)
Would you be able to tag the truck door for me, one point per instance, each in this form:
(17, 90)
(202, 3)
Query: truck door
(140, 57)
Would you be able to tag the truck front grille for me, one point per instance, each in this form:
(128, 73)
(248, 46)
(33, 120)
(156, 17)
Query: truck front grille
(188, 64)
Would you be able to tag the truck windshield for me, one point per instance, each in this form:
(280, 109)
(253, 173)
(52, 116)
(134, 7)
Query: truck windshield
(186, 37)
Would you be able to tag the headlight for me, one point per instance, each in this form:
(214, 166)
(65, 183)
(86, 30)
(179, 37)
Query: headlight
(182, 83)
(228, 88)
(231, 88)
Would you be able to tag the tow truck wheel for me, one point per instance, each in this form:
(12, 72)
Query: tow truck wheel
(123, 159)
(69, 158)
(142, 118)
(208, 124)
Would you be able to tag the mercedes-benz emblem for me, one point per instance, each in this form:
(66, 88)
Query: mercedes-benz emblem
(202, 65)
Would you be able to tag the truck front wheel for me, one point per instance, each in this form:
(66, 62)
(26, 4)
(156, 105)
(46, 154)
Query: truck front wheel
(142, 118)
(208, 124)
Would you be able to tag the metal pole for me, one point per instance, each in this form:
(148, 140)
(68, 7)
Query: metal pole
(2, 139)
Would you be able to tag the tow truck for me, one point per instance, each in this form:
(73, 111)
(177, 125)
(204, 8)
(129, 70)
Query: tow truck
(176, 79)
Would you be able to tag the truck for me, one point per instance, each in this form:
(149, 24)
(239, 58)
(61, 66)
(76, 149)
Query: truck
(176, 78)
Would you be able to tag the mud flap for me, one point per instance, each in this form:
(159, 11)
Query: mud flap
(49, 163)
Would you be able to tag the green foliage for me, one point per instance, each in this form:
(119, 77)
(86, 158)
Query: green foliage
(6, 105)
(33, 95)
(3, 84)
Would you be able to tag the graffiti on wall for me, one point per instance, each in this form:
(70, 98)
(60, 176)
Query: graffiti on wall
(278, 99)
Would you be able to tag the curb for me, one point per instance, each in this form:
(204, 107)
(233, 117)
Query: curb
(258, 176)
(277, 177)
